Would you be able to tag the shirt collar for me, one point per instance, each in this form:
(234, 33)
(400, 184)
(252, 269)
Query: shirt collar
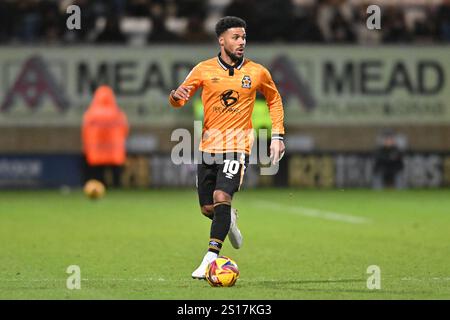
(226, 66)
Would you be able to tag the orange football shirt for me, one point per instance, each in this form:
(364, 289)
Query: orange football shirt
(228, 97)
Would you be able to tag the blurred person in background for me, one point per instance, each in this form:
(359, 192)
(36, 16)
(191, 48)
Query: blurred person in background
(28, 21)
(394, 27)
(442, 21)
(195, 31)
(7, 13)
(341, 30)
(269, 19)
(52, 22)
(104, 133)
(334, 18)
(137, 8)
(159, 32)
(112, 32)
(305, 28)
(388, 164)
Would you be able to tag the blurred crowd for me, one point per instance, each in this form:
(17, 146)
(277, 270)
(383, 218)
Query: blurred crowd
(192, 21)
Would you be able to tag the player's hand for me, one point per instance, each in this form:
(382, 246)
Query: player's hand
(276, 150)
(182, 92)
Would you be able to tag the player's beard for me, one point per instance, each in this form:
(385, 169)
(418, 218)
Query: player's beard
(232, 56)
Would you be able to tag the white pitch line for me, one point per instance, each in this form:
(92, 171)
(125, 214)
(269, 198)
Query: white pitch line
(426, 279)
(314, 213)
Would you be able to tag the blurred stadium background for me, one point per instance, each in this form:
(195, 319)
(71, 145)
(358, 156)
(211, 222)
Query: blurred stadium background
(342, 85)
(344, 88)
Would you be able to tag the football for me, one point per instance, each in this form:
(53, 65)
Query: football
(222, 272)
(94, 189)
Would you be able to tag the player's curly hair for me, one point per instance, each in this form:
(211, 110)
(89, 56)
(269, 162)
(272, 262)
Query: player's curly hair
(228, 22)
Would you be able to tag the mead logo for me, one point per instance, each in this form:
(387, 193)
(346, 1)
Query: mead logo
(34, 82)
(291, 83)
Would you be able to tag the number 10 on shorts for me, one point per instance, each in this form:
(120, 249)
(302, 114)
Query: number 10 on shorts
(230, 168)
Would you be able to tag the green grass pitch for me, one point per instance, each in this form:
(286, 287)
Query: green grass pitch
(298, 244)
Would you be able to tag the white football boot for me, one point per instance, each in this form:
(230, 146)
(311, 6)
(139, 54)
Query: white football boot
(234, 234)
(199, 273)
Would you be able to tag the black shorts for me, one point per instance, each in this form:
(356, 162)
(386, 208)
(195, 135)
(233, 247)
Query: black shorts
(226, 173)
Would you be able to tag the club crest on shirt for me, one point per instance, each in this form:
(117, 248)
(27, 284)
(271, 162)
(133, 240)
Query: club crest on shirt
(246, 82)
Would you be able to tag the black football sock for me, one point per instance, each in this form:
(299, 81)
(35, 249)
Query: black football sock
(220, 226)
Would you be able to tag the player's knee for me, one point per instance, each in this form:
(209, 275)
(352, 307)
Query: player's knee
(207, 210)
(221, 197)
